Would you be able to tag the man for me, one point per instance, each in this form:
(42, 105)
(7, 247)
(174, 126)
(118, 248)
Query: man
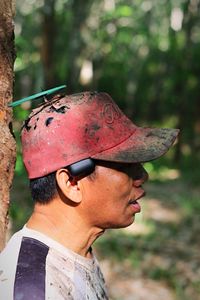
(83, 157)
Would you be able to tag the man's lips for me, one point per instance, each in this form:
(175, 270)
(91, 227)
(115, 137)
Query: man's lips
(134, 204)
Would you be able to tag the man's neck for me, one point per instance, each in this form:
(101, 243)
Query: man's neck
(64, 226)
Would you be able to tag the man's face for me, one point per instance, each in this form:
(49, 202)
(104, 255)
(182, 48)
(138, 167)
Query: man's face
(110, 198)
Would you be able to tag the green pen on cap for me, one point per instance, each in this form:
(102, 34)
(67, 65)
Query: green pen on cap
(38, 95)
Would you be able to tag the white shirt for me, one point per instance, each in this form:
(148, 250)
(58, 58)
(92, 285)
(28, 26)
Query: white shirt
(33, 266)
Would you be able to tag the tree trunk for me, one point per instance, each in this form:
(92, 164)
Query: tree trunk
(181, 89)
(80, 11)
(48, 42)
(7, 142)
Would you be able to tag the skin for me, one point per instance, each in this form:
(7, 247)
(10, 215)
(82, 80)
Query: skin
(82, 210)
(110, 195)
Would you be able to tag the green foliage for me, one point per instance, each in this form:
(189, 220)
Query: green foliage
(21, 205)
(145, 54)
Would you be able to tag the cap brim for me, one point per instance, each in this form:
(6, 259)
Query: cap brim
(145, 144)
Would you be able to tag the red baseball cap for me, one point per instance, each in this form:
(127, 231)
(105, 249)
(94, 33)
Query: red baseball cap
(68, 129)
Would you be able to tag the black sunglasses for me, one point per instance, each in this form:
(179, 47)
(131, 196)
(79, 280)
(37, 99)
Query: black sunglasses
(85, 167)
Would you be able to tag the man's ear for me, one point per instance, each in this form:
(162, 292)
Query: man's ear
(68, 186)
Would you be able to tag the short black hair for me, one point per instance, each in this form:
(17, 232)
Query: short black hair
(44, 189)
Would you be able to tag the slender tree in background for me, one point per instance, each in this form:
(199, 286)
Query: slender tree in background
(7, 142)
(80, 11)
(48, 42)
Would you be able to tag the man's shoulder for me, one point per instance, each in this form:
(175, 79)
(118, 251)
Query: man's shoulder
(22, 267)
(32, 255)
(21, 248)
(9, 255)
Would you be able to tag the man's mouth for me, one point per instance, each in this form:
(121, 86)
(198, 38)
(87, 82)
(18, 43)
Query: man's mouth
(135, 205)
(133, 202)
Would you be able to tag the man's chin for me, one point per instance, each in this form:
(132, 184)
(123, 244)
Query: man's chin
(123, 224)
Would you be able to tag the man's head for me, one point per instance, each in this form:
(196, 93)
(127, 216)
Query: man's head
(76, 127)
(83, 149)
(107, 198)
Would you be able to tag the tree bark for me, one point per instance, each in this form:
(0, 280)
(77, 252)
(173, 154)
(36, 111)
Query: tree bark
(7, 142)
(48, 42)
(80, 11)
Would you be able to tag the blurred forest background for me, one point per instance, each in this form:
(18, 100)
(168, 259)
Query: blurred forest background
(146, 54)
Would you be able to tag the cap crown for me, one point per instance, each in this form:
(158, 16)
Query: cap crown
(72, 128)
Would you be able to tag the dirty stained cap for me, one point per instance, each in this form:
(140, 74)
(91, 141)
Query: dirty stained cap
(87, 125)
